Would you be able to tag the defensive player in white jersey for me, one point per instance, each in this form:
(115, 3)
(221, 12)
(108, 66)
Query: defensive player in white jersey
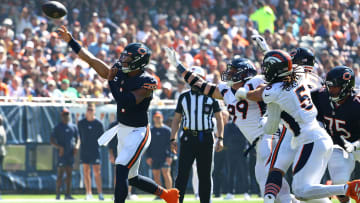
(283, 155)
(246, 114)
(288, 98)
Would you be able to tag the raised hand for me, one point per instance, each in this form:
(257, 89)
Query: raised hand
(260, 42)
(64, 34)
(172, 56)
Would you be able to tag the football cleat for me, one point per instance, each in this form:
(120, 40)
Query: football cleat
(353, 190)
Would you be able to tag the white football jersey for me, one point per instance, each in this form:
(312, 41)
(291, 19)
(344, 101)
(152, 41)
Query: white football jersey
(314, 81)
(245, 113)
(298, 111)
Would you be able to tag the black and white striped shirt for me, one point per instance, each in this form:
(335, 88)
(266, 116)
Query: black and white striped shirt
(197, 110)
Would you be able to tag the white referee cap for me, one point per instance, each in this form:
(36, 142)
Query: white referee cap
(198, 70)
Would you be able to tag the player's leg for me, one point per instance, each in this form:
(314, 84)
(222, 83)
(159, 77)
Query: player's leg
(133, 145)
(87, 179)
(60, 174)
(125, 153)
(204, 163)
(121, 184)
(309, 167)
(276, 186)
(341, 165)
(263, 155)
(156, 175)
(166, 173)
(195, 179)
(148, 185)
(98, 181)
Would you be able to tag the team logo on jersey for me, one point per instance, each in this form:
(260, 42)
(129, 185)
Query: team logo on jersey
(346, 76)
(115, 78)
(207, 108)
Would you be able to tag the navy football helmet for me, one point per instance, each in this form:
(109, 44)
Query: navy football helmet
(239, 70)
(343, 77)
(135, 56)
(276, 65)
(303, 57)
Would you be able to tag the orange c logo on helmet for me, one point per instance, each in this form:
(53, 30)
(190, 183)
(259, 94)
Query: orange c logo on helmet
(142, 51)
(347, 76)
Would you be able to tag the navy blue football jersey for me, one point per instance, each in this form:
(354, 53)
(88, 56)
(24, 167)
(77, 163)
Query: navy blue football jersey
(134, 115)
(339, 120)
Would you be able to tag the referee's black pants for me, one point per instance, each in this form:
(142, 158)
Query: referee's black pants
(197, 146)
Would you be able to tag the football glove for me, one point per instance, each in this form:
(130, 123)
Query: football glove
(172, 56)
(350, 146)
(260, 42)
(241, 93)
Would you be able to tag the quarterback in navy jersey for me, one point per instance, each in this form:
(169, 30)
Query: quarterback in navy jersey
(132, 90)
(338, 107)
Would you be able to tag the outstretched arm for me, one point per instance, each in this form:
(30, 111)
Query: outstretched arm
(194, 81)
(253, 95)
(99, 66)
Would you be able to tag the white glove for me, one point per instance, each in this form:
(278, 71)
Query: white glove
(350, 146)
(172, 56)
(260, 42)
(241, 93)
(262, 121)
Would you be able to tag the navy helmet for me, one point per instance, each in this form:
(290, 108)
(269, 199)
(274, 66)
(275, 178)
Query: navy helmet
(343, 77)
(276, 65)
(135, 56)
(238, 70)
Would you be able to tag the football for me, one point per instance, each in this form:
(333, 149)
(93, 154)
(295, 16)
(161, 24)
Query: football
(54, 9)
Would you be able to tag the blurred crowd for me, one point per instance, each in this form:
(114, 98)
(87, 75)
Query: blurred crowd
(207, 33)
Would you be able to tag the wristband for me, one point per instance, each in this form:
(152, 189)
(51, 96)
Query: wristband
(172, 140)
(181, 68)
(187, 76)
(74, 45)
(220, 138)
(211, 91)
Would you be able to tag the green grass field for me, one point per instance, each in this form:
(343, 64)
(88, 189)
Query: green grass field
(141, 199)
(81, 199)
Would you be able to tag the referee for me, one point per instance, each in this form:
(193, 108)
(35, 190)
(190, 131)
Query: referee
(196, 112)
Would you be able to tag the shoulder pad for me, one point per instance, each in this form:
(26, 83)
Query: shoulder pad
(149, 82)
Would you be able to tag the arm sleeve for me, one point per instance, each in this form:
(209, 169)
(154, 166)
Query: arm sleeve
(101, 127)
(272, 124)
(179, 108)
(270, 94)
(216, 106)
(149, 83)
